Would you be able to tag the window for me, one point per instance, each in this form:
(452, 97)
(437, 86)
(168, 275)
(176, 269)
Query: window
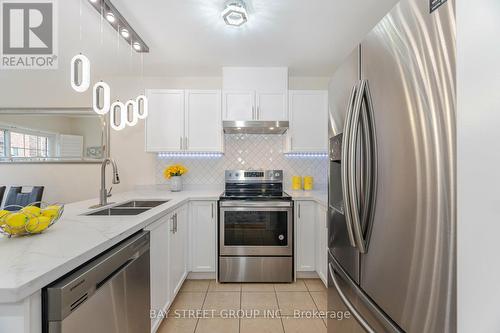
(2, 143)
(28, 145)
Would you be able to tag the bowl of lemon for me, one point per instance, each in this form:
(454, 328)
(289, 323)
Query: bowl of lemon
(32, 219)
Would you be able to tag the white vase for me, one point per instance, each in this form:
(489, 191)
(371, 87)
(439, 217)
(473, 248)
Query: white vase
(176, 184)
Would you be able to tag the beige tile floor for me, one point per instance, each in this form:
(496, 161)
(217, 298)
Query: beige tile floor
(199, 295)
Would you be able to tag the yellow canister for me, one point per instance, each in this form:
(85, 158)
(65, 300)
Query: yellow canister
(308, 183)
(296, 183)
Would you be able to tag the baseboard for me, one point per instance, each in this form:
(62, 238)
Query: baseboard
(201, 276)
(307, 275)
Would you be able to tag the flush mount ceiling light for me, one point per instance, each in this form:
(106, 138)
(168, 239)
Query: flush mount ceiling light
(235, 13)
(125, 34)
(120, 24)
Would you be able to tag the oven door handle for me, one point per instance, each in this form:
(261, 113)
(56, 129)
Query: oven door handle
(263, 204)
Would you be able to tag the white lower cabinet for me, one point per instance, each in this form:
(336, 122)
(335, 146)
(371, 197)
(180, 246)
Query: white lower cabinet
(305, 213)
(203, 236)
(322, 243)
(177, 254)
(168, 259)
(159, 268)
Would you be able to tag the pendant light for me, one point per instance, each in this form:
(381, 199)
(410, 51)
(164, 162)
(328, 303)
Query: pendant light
(80, 73)
(132, 113)
(142, 106)
(118, 116)
(101, 91)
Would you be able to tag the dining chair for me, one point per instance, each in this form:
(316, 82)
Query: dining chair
(16, 197)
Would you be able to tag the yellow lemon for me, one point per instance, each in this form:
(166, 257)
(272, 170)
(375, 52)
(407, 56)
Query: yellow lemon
(12, 231)
(38, 224)
(33, 210)
(3, 213)
(51, 211)
(15, 223)
(16, 220)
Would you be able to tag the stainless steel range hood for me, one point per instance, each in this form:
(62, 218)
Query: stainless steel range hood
(255, 127)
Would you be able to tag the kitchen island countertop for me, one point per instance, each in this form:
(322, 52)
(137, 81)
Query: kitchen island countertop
(30, 263)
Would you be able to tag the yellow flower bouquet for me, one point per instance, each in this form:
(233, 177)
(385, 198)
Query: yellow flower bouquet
(174, 173)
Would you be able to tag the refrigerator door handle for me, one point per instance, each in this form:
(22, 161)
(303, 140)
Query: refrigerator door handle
(345, 166)
(364, 117)
(372, 166)
(347, 303)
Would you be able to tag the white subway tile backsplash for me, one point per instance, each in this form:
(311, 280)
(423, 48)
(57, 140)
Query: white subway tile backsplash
(246, 151)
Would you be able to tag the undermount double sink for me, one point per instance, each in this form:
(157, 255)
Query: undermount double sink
(127, 208)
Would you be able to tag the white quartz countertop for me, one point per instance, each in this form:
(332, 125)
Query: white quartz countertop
(30, 263)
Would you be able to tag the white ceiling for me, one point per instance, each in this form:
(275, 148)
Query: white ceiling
(188, 37)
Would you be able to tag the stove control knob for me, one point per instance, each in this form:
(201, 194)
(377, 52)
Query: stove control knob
(281, 237)
(277, 174)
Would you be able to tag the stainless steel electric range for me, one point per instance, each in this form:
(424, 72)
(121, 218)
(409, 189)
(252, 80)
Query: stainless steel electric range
(255, 228)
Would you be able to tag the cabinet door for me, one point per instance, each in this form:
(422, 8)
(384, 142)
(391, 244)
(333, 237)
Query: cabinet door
(203, 236)
(322, 243)
(306, 216)
(272, 106)
(165, 122)
(203, 120)
(238, 105)
(159, 267)
(308, 121)
(177, 250)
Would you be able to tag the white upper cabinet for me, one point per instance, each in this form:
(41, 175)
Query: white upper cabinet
(308, 112)
(239, 105)
(203, 130)
(165, 122)
(255, 93)
(272, 106)
(184, 120)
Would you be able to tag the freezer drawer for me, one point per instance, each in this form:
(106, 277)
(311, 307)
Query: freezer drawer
(347, 301)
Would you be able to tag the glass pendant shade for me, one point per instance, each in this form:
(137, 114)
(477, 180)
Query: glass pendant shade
(80, 73)
(101, 98)
(132, 113)
(118, 116)
(142, 106)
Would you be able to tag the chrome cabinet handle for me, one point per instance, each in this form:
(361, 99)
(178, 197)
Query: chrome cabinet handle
(180, 143)
(348, 304)
(258, 113)
(299, 210)
(172, 224)
(345, 166)
(175, 222)
(186, 143)
(212, 205)
(253, 112)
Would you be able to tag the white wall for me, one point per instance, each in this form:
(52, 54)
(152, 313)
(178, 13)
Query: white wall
(478, 180)
(72, 182)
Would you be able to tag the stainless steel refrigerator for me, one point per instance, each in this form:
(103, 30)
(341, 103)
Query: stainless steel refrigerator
(392, 177)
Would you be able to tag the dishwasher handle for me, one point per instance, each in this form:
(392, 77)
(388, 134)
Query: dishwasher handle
(116, 272)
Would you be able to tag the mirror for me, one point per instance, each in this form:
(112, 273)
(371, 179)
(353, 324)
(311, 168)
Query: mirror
(75, 135)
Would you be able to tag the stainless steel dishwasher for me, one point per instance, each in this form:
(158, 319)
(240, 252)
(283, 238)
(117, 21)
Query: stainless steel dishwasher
(110, 294)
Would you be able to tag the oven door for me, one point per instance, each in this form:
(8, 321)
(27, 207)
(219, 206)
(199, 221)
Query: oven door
(256, 228)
